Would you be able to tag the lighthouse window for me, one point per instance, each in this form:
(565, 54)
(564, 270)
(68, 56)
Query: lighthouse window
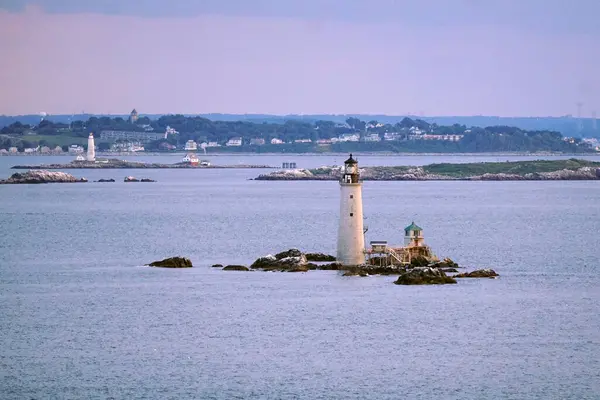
(351, 214)
(351, 196)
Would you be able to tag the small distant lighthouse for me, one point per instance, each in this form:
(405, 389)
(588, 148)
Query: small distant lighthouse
(91, 151)
(351, 240)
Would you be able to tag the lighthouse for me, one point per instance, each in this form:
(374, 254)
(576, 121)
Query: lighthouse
(351, 240)
(91, 152)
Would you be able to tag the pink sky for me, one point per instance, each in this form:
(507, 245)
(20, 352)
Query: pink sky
(68, 63)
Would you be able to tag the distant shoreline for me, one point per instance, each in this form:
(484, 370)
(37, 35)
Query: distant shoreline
(328, 154)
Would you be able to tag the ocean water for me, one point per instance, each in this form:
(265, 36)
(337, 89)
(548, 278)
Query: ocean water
(80, 317)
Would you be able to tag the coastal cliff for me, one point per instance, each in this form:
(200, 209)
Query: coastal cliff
(572, 169)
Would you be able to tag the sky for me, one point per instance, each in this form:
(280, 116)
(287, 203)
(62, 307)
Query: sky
(395, 57)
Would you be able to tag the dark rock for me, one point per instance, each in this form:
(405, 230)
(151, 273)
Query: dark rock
(356, 272)
(424, 276)
(265, 262)
(147, 180)
(217, 266)
(288, 253)
(311, 266)
(330, 267)
(236, 268)
(480, 273)
(173, 262)
(130, 179)
(105, 180)
(419, 261)
(286, 260)
(319, 257)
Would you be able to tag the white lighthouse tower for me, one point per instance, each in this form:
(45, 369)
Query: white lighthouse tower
(351, 240)
(91, 151)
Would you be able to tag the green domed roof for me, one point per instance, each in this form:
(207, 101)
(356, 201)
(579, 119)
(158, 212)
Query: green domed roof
(413, 227)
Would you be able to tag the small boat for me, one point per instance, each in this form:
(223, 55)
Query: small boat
(190, 159)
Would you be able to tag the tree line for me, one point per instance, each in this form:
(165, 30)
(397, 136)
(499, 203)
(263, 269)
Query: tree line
(474, 139)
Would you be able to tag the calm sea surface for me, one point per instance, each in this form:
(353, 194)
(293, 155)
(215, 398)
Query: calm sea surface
(80, 318)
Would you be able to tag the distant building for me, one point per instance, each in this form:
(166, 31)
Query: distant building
(30, 150)
(127, 147)
(133, 116)
(323, 142)
(143, 137)
(3, 152)
(190, 145)
(45, 150)
(257, 141)
(302, 141)
(58, 150)
(76, 149)
(390, 136)
(13, 150)
(213, 144)
(372, 137)
(276, 141)
(235, 141)
(349, 137)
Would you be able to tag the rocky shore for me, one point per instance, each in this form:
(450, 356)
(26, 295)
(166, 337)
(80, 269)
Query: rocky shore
(420, 272)
(41, 176)
(121, 164)
(541, 170)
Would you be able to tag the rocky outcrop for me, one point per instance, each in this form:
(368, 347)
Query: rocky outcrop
(41, 176)
(173, 262)
(217, 266)
(287, 260)
(105, 180)
(424, 276)
(572, 169)
(236, 268)
(130, 179)
(335, 266)
(147, 180)
(319, 257)
(480, 273)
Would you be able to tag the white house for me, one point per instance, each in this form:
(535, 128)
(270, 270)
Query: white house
(276, 141)
(213, 144)
(13, 150)
(76, 149)
(349, 137)
(391, 136)
(302, 141)
(234, 141)
(190, 145)
(372, 137)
